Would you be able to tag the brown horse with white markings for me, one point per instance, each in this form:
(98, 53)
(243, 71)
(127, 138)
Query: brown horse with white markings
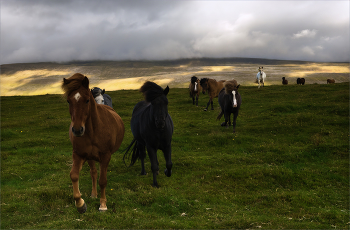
(213, 87)
(96, 132)
(195, 89)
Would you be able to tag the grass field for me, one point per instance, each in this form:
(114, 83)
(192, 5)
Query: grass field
(287, 165)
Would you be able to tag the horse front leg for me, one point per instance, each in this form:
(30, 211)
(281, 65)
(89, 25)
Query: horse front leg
(212, 105)
(152, 154)
(208, 104)
(93, 173)
(105, 158)
(74, 176)
(168, 162)
(235, 114)
(197, 99)
(193, 97)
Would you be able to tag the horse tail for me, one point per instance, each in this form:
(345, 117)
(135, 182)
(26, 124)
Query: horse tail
(220, 115)
(135, 153)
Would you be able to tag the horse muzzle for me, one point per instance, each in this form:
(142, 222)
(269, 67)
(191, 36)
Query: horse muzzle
(78, 132)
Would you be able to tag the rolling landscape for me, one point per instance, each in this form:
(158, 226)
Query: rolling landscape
(286, 166)
(45, 78)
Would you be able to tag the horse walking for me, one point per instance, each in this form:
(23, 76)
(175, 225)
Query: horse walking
(101, 97)
(152, 128)
(260, 77)
(95, 132)
(230, 101)
(213, 87)
(195, 88)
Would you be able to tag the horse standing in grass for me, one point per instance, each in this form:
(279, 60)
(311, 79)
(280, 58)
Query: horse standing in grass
(195, 88)
(300, 81)
(95, 132)
(260, 77)
(152, 128)
(284, 81)
(330, 81)
(101, 97)
(213, 87)
(230, 101)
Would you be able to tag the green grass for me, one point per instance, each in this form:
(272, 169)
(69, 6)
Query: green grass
(287, 165)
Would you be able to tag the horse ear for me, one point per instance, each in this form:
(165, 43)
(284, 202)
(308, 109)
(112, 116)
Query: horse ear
(238, 86)
(85, 82)
(65, 81)
(103, 91)
(166, 91)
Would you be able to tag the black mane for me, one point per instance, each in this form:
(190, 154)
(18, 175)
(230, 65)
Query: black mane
(151, 91)
(193, 79)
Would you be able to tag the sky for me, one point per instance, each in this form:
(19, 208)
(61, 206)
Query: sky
(82, 30)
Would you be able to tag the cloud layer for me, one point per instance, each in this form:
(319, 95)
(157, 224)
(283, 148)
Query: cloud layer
(65, 30)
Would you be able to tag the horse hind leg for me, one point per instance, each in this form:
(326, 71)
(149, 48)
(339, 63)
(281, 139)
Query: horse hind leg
(197, 99)
(142, 154)
(103, 181)
(212, 105)
(93, 173)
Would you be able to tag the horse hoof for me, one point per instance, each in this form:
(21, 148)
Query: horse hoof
(102, 209)
(82, 209)
(166, 173)
(205, 109)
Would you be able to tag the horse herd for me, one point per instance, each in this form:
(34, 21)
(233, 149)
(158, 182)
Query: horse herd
(97, 131)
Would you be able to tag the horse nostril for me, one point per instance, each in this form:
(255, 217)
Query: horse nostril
(81, 130)
(73, 130)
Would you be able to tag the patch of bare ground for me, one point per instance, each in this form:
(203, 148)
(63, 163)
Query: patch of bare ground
(46, 78)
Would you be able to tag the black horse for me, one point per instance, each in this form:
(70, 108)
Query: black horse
(101, 97)
(230, 101)
(152, 128)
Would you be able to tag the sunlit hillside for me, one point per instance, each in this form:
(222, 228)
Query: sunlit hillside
(45, 78)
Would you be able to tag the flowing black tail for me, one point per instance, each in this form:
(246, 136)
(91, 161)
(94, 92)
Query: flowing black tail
(135, 152)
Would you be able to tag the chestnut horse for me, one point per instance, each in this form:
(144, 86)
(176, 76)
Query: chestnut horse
(195, 88)
(96, 132)
(213, 87)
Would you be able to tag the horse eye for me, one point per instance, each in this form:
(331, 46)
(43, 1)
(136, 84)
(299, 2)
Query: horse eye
(68, 102)
(87, 101)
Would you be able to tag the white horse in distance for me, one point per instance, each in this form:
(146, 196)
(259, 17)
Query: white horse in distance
(260, 77)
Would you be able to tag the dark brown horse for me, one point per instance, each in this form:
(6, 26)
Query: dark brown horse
(230, 101)
(284, 81)
(195, 88)
(96, 132)
(213, 87)
(330, 81)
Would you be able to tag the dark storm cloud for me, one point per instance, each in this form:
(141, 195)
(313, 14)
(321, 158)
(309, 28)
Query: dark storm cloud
(33, 31)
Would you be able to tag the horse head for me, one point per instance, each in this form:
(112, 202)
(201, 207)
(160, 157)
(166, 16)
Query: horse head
(204, 83)
(97, 93)
(78, 96)
(157, 97)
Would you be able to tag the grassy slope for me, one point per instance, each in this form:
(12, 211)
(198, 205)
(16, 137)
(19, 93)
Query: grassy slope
(287, 166)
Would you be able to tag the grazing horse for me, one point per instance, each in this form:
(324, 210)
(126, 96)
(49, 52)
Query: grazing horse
(213, 87)
(300, 81)
(95, 132)
(152, 128)
(330, 81)
(284, 81)
(195, 89)
(260, 77)
(230, 101)
(101, 97)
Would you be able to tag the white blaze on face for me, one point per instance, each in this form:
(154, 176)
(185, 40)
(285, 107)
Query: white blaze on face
(234, 98)
(77, 96)
(195, 86)
(99, 99)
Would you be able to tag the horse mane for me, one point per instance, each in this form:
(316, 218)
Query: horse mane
(193, 79)
(74, 83)
(151, 91)
(230, 86)
(203, 80)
